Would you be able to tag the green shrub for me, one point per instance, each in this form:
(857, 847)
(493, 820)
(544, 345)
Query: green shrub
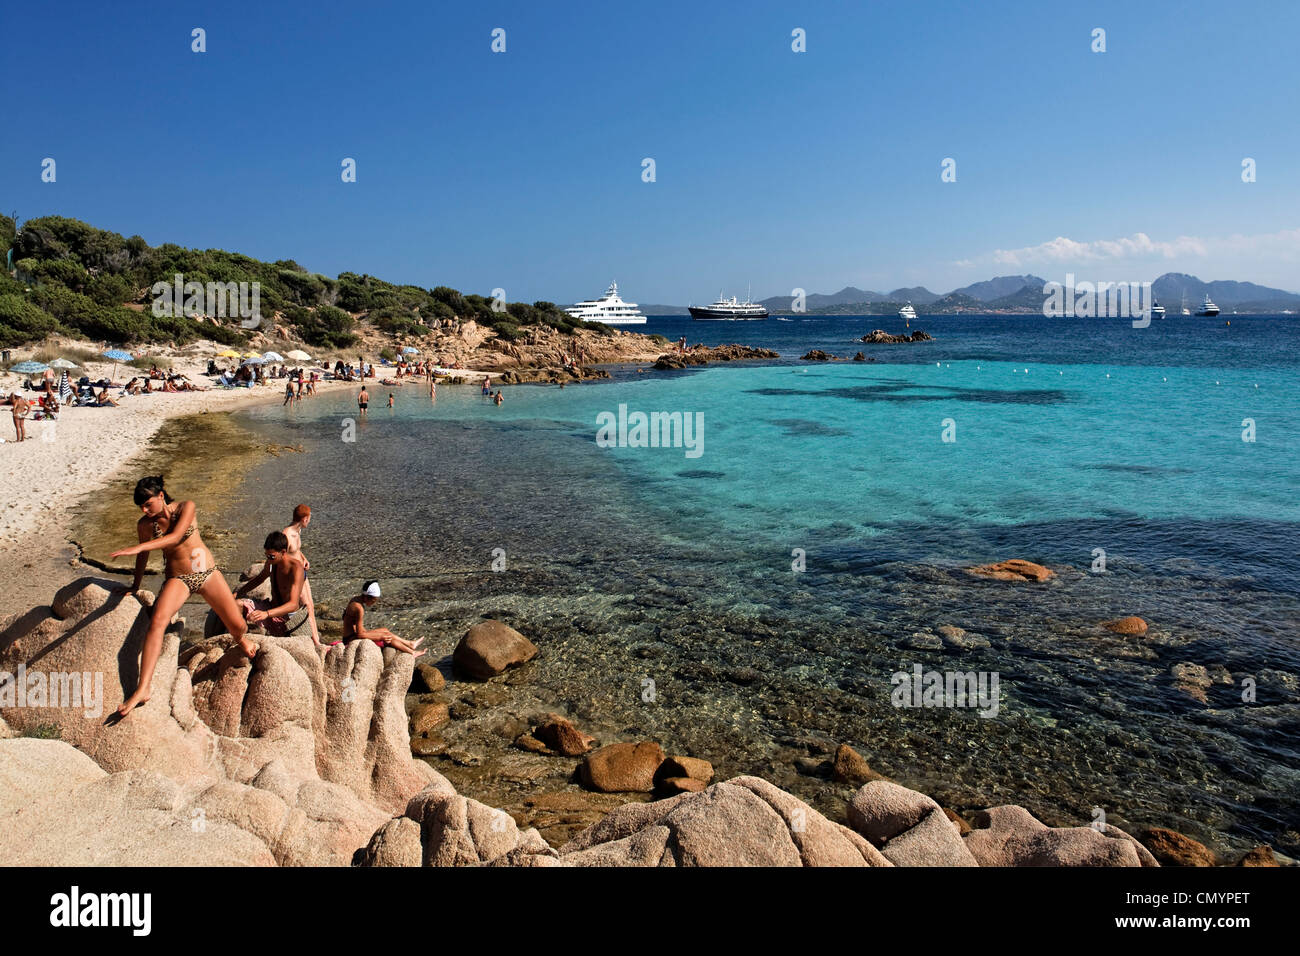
(22, 322)
(508, 331)
(388, 354)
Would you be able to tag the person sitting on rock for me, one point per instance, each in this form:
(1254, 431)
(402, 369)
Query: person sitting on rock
(354, 628)
(285, 612)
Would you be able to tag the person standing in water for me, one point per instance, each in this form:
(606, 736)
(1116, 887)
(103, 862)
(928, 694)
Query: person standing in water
(390, 399)
(363, 400)
(354, 628)
(172, 528)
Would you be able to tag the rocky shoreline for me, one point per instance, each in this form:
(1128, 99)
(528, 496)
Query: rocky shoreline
(302, 758)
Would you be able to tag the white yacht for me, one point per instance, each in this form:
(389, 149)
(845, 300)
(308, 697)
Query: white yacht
(728, 309)
(907, 312)
(609, 309)
(1209, 308)
(1157, 310)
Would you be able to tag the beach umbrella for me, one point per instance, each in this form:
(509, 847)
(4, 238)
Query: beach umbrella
(65, 389)
(62, 363)
(273, 357)
(408, 350)
(28, 368)
(117, 355)
(298, 355)
(255, 360)
(252, 355)
(228, 353)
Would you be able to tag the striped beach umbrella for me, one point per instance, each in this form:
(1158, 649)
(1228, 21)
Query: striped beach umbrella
(65, 389)
(28, 368)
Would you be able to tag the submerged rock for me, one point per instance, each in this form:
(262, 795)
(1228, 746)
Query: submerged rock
(1131, 626)
(560, 735)
(1172, 848)
(1013, 570)
(850, 767)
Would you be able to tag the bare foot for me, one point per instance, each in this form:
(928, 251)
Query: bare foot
(415, 653)
(132, 702)
(417, 642)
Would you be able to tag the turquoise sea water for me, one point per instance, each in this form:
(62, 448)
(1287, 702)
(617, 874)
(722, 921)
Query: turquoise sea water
(629, 565)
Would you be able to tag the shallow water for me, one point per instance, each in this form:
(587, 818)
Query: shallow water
(636, 565)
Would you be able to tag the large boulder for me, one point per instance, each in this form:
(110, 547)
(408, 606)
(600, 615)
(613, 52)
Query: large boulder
(743, 822)
(307, 757)
(622, 768)
(490, 648)
(907, 827)
(442, 828)
(1128, 626)
(1011, 836)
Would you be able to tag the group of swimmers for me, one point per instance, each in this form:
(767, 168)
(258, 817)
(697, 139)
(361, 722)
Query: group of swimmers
(189, 568)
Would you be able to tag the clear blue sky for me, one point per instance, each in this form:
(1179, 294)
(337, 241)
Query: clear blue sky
(523, 170)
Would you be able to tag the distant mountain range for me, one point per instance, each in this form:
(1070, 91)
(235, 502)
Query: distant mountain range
(1019, 294)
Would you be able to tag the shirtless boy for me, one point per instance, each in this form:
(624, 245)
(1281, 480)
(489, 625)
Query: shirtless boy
(284, 613)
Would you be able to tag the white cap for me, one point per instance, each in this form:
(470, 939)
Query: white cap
(373, 590)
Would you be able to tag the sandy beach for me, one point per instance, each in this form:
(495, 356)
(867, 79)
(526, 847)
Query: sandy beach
(64, 463)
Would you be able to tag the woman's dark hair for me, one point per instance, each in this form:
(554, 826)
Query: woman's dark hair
(149, 486)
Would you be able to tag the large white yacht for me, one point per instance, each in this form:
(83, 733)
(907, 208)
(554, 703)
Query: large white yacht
(907, 312)
(728, 309)
(1209, 308)
(609, 309)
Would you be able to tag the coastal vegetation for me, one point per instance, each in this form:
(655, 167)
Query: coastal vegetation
(69, 277)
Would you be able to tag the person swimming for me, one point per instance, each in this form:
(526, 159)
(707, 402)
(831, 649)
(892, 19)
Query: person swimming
(172, 527)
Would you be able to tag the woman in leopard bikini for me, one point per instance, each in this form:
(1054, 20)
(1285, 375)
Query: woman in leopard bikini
(172, 527)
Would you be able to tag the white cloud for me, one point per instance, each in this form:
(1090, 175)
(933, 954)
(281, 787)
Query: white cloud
(1284, 245)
